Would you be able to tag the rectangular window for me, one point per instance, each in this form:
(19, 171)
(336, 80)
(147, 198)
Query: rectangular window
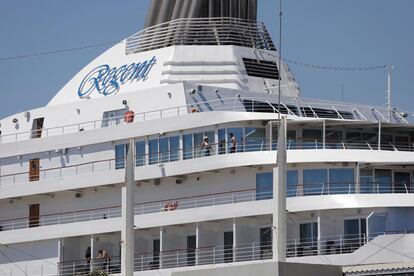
(235, 140)
(383, 181)
(312, 138)
(354, 234)
(187, 146)
(366, 181)
(120, 156)
(153, 151)
(314, 181)
(174, 148)
(341, 181)
(291, 183)
(308, 236)
(113, 117)
(164, 150)
(222, 141)
(140, 153)
(264, 186)
(255, 139)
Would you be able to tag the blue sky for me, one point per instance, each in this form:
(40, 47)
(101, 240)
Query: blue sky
(326, 32)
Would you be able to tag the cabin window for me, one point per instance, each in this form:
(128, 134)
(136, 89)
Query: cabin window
(308, 235)
(140, 153)
(222, 141)
(113, 117)
(354, 233)
(314, 181)
(187, 146)
(238, 138)
(153, 151)
(341, 181)
(366, 181)
(120, 156)
(255, 139)
(164, 149)
(264, 186)
(291, 183)
(383, 181)
(37, 128)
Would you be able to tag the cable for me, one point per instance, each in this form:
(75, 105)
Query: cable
(59, 51)
(335, 68)
(376, 252)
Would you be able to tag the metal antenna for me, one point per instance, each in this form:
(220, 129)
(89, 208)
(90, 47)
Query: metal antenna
(389, 107)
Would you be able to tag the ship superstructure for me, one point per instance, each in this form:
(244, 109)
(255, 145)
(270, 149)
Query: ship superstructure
(197, 90)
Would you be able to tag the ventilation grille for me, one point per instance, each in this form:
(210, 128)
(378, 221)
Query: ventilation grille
(261, 68)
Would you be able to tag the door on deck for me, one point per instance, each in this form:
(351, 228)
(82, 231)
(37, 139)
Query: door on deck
(37, 128)
(34, 210)
(402, 182)
(34, 169)
(191, 250)
(266, 243)
(228, 247)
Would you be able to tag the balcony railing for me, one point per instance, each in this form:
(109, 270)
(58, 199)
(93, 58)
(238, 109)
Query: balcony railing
(330, 245)
(183, 203)
(174, 258)
(253, 251)
(161, 157)
(289, 106)
(167, 205)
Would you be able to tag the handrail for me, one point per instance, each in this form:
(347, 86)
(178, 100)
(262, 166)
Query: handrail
(224, 104)
(203, 200)
(196, 151)
(215, 254)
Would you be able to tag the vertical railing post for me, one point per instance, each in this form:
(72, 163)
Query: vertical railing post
(177, 258)
(296, 248)
(214, 255)
(340, 244)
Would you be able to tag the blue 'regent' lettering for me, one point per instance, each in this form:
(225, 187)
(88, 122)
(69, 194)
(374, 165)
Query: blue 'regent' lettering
(107, 81)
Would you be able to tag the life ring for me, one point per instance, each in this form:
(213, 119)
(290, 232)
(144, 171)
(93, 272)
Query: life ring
(194, 110)
(129, 116)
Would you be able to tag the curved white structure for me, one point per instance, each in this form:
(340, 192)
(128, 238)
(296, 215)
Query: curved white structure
(201, 202)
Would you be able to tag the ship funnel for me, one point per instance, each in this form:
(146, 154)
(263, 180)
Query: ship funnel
(161, 11)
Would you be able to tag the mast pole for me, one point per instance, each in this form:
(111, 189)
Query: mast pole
(127, 232)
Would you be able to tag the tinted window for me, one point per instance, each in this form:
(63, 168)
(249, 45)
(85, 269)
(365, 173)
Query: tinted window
(264, 185)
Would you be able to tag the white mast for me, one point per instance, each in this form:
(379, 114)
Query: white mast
(127, 233)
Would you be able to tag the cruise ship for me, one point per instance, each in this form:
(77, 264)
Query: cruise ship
(160, 157)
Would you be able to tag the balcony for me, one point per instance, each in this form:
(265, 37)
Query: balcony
(216, 254)
(172, 205)
(179, 154)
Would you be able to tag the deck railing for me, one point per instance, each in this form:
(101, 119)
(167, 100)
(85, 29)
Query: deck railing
(243, 252)
(167, 156)
(252, 251)
(234, 104)
(191, 202)
(202, 31)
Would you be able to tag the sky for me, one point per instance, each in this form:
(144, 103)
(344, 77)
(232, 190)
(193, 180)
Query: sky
(352, 33)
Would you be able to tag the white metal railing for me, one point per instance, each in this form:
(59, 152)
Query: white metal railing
(202, 31)
(330, 245)
(251, 251)
(234, 104)
(174, 258)
(161, 157)
(167, 205)
(232, 197)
